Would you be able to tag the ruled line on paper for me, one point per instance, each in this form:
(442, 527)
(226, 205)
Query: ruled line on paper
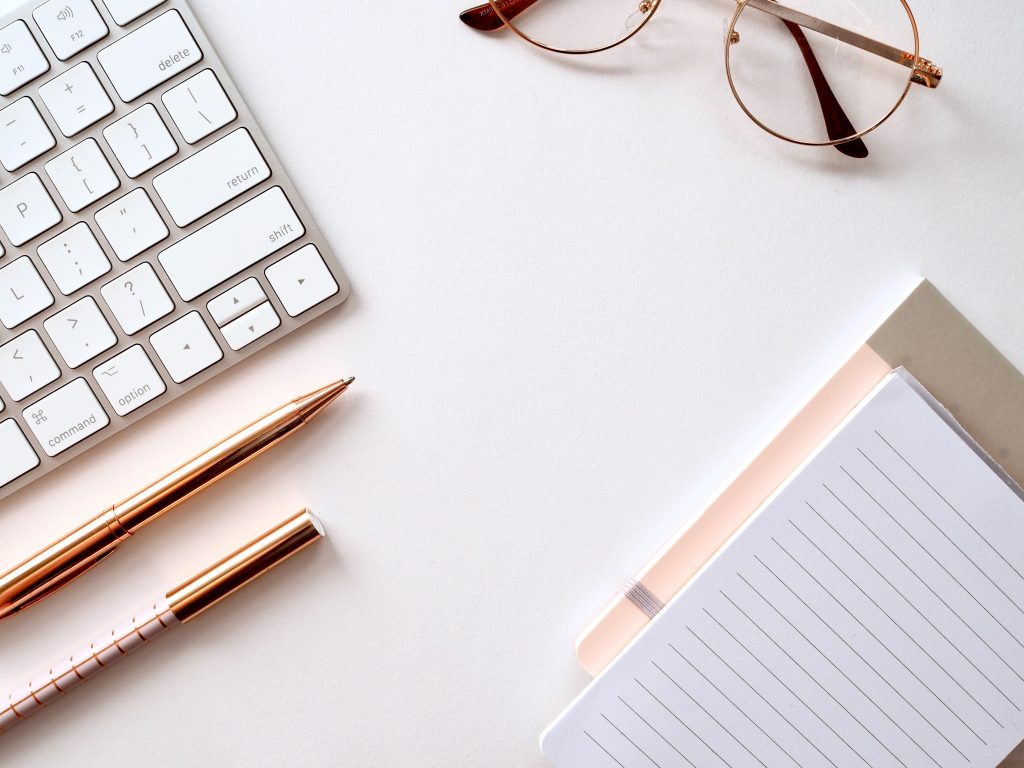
(627, 738)
(842, 673)
(957, 512)
(656, 731)
(668, 709)
(760, 695)
(882, 645)
(811, 710)
(736, 706)
(700, 706)
(813, 679)
(942, 531)
(935, 560)
(853, 582)
(603, 748)
(926, 585)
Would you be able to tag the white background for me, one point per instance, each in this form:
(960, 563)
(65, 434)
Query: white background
(584, 293)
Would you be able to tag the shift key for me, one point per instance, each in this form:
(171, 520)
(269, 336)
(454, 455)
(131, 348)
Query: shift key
(234, 242)
(152, 54)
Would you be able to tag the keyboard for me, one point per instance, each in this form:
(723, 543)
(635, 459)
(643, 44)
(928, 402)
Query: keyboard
(149, 237)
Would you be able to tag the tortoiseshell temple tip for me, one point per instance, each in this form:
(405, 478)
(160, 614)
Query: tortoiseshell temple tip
(482, 17)
(856, 149)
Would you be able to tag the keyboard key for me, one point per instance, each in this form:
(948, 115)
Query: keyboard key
(212, 177)
(236, 301)
(26, 210)
(186, 347)
(126, 11)
(21, 59)
(23, 134)
(131, 224)
(140, 141)
(302, 280)
(23, 293)
(129, 380)
(76, 99)
(65, 418)
(70, 26)
(238, 239)
(16, 454)
(199, 106)
(80, 332)
(137, 298)
(82, 175)
(74, 258)
(26, 366)
(149, 56)
(253, 325)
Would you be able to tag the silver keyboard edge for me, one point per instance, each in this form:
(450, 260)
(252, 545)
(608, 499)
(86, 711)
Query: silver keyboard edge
(279, 177)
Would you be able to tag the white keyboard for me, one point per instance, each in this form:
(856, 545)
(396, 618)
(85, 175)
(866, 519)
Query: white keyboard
(149, 238)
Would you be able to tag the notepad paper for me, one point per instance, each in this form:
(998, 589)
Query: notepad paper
(870, 614)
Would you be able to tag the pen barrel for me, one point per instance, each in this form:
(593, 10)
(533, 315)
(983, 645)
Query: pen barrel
(67, 559)
(207, 468)
(73, 670)
(60, 563)
(230, 574)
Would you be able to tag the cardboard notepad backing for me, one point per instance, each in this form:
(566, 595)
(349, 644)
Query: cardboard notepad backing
(927, 336)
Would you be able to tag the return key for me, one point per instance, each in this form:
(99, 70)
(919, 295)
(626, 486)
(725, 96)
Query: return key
(210, 178)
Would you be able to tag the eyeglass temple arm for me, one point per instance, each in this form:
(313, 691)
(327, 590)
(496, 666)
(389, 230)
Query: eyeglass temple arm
(925, 72)
(484, 18)
(837, 124)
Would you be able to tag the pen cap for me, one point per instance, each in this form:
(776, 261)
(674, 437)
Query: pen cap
(239, 568)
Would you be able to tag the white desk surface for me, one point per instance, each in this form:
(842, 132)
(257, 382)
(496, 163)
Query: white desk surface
(584, 293)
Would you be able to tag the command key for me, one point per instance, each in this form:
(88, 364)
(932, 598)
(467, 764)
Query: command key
(66, 417)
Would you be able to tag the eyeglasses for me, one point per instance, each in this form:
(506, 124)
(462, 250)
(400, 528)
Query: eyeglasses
(787, 66)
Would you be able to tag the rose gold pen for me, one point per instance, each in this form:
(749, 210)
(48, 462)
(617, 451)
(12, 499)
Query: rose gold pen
(74, 554)
(179, 606)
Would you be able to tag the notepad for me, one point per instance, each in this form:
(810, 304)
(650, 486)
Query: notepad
(871, 613)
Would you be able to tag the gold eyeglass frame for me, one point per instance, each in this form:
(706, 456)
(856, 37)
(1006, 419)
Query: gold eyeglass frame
(921, 70)
(809, 22)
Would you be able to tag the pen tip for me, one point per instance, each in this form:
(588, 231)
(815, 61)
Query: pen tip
(313, 403)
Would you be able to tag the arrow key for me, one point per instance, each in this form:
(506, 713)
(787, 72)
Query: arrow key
(237, 301)
(186, 347)
(253, 325)
(302, 280)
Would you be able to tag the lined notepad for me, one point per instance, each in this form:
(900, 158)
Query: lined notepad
(871, 613)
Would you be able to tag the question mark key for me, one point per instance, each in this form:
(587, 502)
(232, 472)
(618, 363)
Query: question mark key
(137, 298)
